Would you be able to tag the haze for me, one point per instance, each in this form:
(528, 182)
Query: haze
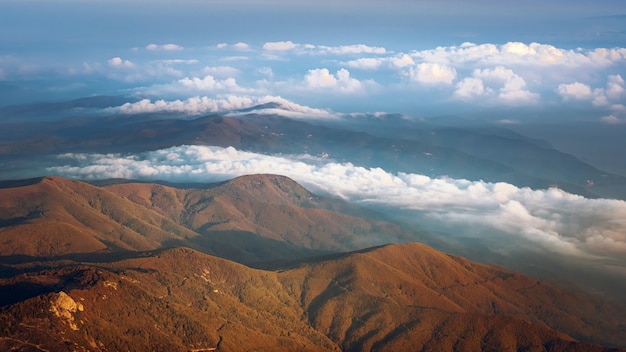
(553, 71)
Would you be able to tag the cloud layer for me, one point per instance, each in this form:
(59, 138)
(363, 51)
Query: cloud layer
(550, 219)
(229, 105)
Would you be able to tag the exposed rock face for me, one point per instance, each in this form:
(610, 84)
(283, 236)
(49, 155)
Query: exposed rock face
(65, 307)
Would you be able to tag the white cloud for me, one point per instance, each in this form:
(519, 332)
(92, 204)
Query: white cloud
(470, 88)
(432, 73)
(512, 87)
(371, 63)
(279, 46)
(603, 97)
(164, 47)
(576, 90)
(195, 105)
(367, 63)
(191, 86)
(341, 82)
(230, 104)
(239, 46)
(209, 83)
(517, 53)
(118, 62)
(355, 49)
(612, 120)
(615, 87)
(401, 61)
(551, 219)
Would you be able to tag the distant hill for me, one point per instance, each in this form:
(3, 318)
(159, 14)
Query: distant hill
(392, 143)
(394, 298)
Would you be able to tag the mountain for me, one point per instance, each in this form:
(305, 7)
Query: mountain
(410, 296)
(141, 266)
(52, 216)
(390, 142)
(249, 219)
(391, 298)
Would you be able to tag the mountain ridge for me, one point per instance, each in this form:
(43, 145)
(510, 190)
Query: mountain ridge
(185, 299)
(114, 251)
(270, 212)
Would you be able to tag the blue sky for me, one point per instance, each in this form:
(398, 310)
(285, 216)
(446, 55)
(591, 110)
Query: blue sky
(415, 57)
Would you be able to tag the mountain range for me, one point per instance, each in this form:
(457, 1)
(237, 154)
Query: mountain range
(391, 142)
(259, 262)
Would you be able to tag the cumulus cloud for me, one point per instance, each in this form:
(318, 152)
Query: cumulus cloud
(164, 47)
(517, 53)
(401, 61)
(374, 63)
(118, 62)
(367, 63)
(240, 46)
(279, 46)
(230, 104)
(191, 86)
(499, 83)
(609, 98)
(576, 90)
(470, 88)
(341, 82)
(432, 73)
(209, 83)
(550, 219)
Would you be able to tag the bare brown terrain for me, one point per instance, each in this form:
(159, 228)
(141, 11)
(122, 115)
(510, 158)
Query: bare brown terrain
(395, 298)
(250, 219)
(105, 268)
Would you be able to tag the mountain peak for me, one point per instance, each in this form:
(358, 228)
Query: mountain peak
(269, 188)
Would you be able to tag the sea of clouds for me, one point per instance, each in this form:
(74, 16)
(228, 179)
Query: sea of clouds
(550, 219)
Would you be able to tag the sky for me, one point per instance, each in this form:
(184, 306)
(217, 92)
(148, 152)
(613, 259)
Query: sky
(512, 63)
(415, 57)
